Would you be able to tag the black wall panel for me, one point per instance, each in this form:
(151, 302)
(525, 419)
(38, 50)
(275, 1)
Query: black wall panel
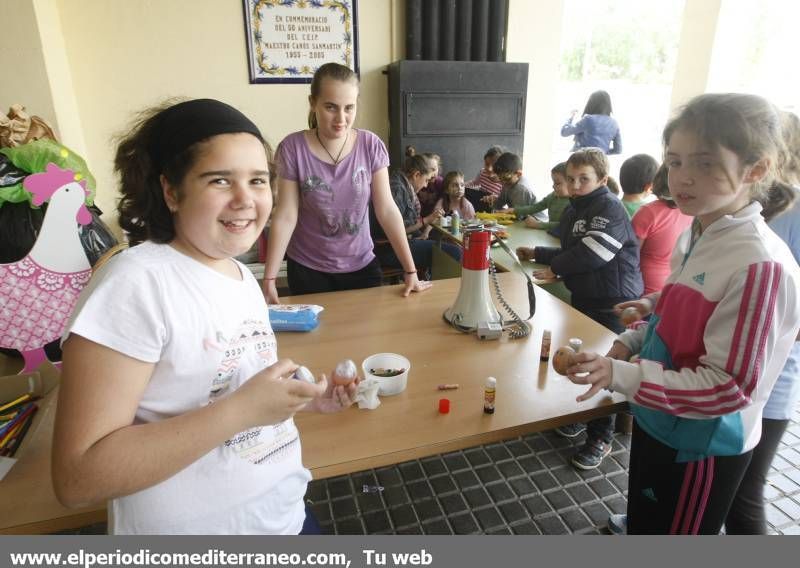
(456, 109)
(464, 30)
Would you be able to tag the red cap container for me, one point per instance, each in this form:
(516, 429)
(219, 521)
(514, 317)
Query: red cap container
(444, 405)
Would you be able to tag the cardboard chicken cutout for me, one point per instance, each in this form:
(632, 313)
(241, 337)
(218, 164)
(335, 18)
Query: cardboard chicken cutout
(38, 292)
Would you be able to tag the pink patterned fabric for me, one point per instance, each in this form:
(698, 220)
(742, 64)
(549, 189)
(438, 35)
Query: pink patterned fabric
(35, 303)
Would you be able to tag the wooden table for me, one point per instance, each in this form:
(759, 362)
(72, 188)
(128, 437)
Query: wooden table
(530, 395)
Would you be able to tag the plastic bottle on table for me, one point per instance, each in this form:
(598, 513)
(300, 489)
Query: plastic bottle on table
(456, 222)
(489, 393)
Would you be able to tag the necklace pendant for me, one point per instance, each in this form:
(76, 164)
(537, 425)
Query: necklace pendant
(338, 157)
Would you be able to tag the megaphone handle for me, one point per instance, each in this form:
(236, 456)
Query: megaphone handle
(531, 298)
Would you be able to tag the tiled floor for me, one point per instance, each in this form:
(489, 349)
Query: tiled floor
(521, 486)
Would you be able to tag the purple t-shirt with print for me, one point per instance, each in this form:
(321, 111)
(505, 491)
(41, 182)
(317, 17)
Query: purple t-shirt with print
(332, 232)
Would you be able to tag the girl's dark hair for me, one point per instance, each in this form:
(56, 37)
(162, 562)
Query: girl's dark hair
(599, 103)
(418, 163)
(789, 161)
(335, 71)
(661, 186)
(143, 213)
(494, 152)
(779, 197)
(747, 125)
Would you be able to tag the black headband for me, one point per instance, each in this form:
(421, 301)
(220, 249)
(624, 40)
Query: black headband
(189, 122)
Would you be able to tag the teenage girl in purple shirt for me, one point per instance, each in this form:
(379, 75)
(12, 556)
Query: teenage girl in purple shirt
(327, 176)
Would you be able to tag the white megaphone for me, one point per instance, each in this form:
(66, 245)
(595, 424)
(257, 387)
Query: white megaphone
(474, 304)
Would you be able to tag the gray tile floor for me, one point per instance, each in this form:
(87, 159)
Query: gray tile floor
(520, 486)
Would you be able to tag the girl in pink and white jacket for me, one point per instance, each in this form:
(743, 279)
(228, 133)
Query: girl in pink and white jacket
(720, 330)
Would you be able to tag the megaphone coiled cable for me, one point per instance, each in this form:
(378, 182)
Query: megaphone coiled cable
(517, 327)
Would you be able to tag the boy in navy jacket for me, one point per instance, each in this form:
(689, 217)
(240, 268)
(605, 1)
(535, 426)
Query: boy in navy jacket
(599, 263)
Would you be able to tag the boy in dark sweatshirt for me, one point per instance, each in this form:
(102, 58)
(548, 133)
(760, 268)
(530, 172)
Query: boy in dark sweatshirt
(599, 263)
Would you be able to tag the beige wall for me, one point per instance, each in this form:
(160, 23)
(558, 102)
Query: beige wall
(695, 50)
(87, 65)
(59, 75)
(127, 55)
(534, 37)
(22, 61)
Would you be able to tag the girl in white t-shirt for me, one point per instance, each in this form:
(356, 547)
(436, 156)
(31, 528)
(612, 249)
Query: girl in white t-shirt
(174, 407)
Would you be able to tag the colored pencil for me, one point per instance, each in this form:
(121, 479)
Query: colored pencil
(12, 448)
(12, 410)
(5, 430)
(15, 402)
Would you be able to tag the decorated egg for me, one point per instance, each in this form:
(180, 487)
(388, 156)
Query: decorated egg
(563, 359)
(344, 373)
(303, 374)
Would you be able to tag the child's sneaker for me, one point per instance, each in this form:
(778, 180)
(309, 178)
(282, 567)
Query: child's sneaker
(571, 430)
(618, 524)
(591, 454)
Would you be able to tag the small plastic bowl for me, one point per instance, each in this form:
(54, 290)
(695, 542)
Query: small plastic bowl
(388, 385)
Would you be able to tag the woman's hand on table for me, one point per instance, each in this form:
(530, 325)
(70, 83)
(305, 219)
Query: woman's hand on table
(590, 369)
(414, 284)
(271, 292)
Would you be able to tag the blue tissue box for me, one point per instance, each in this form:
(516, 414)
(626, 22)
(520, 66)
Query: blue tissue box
(294, 317)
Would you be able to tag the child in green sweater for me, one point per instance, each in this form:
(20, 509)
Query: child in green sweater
(555, 202)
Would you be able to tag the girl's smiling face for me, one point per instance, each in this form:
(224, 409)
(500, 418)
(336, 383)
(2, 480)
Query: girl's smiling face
(707, 182)
(222, 204)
